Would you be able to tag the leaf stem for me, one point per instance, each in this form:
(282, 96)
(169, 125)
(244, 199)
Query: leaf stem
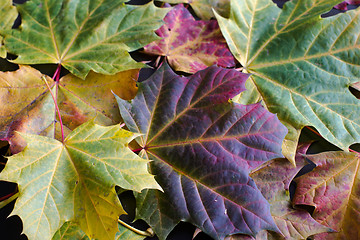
(57, 73)
(313, 131)
(148, 233)
(353, 151)
(5, 202)
(137, 150)
(56, 107)
(56, 78)
(9, 196)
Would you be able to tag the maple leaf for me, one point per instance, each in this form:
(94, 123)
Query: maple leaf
(202, 148)
(83, 35)
(75, 180)
(71, 231)
(190, 45)
(8, 15)
(27, 105)
(333, 189)
(203, 8)
(301, 65)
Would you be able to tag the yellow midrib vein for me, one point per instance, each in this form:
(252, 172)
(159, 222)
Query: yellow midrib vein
(329, 53)
(52, 32)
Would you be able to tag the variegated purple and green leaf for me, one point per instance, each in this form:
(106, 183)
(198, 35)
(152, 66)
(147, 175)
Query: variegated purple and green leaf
(190, 45)
(202, 149)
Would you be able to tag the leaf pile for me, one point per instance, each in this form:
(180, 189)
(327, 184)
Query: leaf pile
(220, 148)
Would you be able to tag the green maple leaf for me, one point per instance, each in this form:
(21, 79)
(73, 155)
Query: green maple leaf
(83, 35)
(8, 15)
(301, 65)
(75, 180)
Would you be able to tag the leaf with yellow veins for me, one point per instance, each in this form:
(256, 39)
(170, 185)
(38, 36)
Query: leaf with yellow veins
(301, 65)
(75, 180)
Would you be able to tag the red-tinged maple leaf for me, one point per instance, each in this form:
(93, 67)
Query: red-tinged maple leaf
(273, 179)
(190, 45)
(333, 188)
